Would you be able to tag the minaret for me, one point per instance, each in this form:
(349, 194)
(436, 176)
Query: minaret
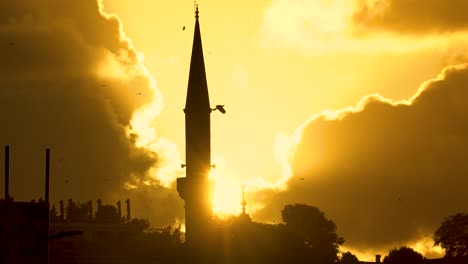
(243, 203)
(244, 217)
(195, 188)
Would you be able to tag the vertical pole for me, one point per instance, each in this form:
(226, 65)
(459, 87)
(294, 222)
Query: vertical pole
(47, 170)
(47, 176)
(7, 172)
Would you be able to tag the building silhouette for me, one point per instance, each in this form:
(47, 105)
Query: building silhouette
(195, 188)
(24, 226)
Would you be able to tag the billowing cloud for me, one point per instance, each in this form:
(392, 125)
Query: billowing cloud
(415, 17)
(386, 172)
(71, 80)
(364, 26)
(321, 25)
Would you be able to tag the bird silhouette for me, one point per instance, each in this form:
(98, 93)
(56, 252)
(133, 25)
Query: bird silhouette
(183, 28)
(11, 43)
(138, 93)
(220, 108)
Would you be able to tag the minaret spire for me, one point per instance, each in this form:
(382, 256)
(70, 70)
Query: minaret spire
(244, 216)
(197, 92)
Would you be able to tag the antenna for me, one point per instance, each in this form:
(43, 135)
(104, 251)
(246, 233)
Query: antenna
(47, 173)
(195, 4)
(7, 172)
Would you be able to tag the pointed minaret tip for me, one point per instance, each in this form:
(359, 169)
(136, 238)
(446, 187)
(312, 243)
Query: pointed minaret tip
(243, 203)
(196, 11)
(197, 91)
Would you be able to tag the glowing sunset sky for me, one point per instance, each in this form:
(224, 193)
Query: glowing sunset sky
(274, 64)
(299, 81)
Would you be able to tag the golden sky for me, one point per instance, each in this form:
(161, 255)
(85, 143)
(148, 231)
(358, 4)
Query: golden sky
(106, 93)
(273, 64)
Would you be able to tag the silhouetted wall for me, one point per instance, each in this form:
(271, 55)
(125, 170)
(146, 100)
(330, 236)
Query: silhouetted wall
(23, 232)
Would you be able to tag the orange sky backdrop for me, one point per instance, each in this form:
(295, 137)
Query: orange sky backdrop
(106, 93)
(273, 64)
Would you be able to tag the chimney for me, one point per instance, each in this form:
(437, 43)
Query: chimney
(62, 211)
(90, 209)
(7, 172)
(47, 176)
(128, 209)
(119, 210)
(377, 258)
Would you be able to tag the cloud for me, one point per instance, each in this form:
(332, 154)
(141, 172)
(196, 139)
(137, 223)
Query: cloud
(386, 172)
(412, 17)
(71, 80)
(303, 24)
(364, 26)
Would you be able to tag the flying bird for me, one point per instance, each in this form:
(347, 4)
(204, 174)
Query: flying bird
(183, 28)
(138, 93)
(220, 108)
(11, 43)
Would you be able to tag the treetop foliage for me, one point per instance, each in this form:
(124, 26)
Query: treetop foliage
(452, 235)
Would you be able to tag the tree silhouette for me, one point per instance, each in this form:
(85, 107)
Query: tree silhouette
(107, 214)
(452, 235)
(403, 255)
(141, 224)
(54, 218)
(348, 258)
(77, 212)
(308, 225)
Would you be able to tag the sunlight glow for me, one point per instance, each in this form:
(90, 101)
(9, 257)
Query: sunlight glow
(426, 247)
(285, 147)
(143, 119)
(143, 123)
(227, 195)
(365, 255)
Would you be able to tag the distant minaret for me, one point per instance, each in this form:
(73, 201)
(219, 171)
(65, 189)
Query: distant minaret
(195, 188)
(244, 217)
(243, 203)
